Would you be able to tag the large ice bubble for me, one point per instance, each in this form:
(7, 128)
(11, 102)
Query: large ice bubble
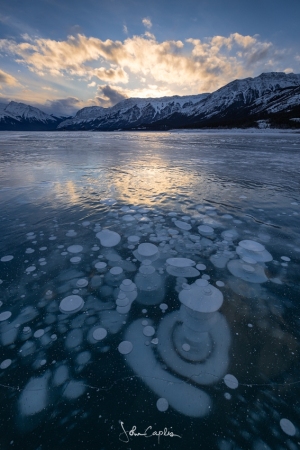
(108, 238)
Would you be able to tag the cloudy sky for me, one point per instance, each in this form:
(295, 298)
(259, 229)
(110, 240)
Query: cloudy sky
(62, 55)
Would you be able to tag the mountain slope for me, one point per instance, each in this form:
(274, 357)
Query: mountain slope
(21, 117)
(269, 100)
(130, 113)
(273, 98)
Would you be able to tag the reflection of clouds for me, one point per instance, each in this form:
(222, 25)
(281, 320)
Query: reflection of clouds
(150, 178)
(68, 191)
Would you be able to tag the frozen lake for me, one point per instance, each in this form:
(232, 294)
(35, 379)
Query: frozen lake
(150, 280)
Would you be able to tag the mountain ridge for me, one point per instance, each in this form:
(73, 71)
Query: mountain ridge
(271, 100)
(22, 117)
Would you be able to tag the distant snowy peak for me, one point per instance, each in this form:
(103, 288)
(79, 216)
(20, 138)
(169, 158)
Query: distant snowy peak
(158, 104)
(265, 82)
(27, 112)
(131, 110)
(19, 116)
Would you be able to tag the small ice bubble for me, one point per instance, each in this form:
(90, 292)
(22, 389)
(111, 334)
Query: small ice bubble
(71, 233)
(163, 306)
(144, 322)
(116, 270)
(71, 304)
(75, 249)
(162, 404)
(39, 333)
(75, 259)
(220, 283)
(5, 364)
(82, 282)
(231, 381)
(100, 266)
(74, 390)
(5, 315)
(227, 396)
(99, 334)
(288, 427)
(148, 331)
(186, 347)
(201, 266)
(250, 325)
(125, 347)
(30, 269)
(285, 258)
(7, 258)
(26, 330)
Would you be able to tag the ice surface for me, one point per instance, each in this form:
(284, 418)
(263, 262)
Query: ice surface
(190, 354)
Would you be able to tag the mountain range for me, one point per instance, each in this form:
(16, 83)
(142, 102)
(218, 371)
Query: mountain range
(271, 100)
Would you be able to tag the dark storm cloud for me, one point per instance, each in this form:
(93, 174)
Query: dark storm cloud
(108, 96)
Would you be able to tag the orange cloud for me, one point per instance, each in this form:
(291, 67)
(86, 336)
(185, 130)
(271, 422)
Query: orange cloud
(173, 66)
(7, 79)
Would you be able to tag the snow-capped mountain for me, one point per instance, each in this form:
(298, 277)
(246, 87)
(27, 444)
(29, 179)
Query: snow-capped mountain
(129, 113)
(19, 116)
(269, 100)
(273, 98)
